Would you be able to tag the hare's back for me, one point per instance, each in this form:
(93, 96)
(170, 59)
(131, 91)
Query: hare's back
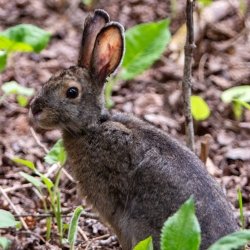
(166, 174)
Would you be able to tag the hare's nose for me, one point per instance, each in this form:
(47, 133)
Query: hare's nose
(36, 108)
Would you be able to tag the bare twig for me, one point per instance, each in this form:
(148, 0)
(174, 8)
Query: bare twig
(14, 208)
(38, 141)
(186, 83)
(83, 234)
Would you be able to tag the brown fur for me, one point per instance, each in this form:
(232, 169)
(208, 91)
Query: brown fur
(134, 174)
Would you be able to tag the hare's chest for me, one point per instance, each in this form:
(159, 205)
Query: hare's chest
(91, 168)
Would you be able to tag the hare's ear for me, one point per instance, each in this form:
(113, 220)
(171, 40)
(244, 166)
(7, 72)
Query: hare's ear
(108, 51)
(92, 26)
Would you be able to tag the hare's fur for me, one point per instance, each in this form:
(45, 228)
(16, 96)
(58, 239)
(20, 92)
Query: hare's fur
(133, 174)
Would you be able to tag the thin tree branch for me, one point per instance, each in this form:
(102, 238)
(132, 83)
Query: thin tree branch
(187, 74)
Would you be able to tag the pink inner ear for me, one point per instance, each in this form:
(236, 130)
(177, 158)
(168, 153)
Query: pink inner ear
(107, 52)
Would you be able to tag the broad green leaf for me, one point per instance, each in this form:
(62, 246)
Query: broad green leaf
(73, 226)
(146, 244)
(14, 88)
(240, 92)
(29, 34)
(145, 43)
(13, 46)
(35, 181)
(3, 59)
(7, 219)
(26, 163)
(232, 241)
(182, 231)
(4, 243)
(56, 154)
(205, 2)
(199, 108)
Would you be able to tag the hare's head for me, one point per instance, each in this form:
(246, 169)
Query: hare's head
(73, 100)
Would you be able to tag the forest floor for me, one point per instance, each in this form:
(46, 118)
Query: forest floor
(222, 60)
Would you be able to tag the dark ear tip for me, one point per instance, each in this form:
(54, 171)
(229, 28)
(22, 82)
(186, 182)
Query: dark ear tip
(115, 24)
(102, 13)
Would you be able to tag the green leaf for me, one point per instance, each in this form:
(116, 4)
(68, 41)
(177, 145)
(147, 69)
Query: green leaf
(205, 2)
(73, 226)
(26, 163)
(232, 241)
(199, 108)
(182, 231)
(240, 92)
(56, 154)
(237, 109)
(242, 103)
(7, 219)
(242, 218)
(47, 181)
(14, 88)
(29, 34)
(145, 43)
(13, 46)
(4, 243)
(3, 60)
(35, 181)
(146, 244)
(22, 100)
(88, 2)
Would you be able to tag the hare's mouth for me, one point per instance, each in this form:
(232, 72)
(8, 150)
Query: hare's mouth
(43, 120)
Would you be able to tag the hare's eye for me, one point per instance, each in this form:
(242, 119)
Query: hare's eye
(72, 92)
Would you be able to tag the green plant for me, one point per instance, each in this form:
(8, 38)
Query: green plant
(146, 244)
(199, 108)
(21, 38)
(7, 220)
(239, 97)
(145, 43)
(205, 3)
(56, 155)
(182, 231)
(22, 93)
(4, 243)
(242, 218)
(73, 226)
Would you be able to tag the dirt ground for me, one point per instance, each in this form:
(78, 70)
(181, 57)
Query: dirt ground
(222, 60)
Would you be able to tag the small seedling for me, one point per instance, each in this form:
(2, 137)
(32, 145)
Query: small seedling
(22, 93)
(242, 218)
(239, 97)
(73, 227)
(56, 155)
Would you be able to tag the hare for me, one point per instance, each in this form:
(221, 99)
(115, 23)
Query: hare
(132, 173)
